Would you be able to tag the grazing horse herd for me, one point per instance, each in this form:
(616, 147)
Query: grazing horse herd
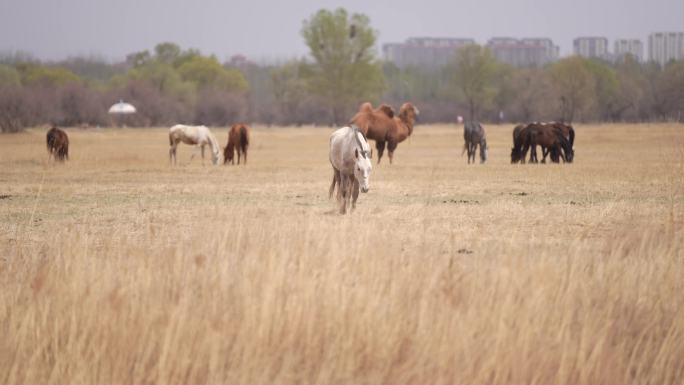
(556, 139)
(350, 154)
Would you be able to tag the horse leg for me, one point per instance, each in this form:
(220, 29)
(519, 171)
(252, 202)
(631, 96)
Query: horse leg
(481, 154)
(202, 149)
(194, 152)
(474, 152)
(343, 194)
(340, 187)
(350, 191)
(244, 156)
(355, 194)
(172, 154)
(380, 145)
(561, 154)
(468, 150)
(335, 180)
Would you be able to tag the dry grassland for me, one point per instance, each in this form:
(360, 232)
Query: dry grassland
(118, 269)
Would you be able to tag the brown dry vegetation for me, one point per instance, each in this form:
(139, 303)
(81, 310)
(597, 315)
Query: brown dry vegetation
(118, 269)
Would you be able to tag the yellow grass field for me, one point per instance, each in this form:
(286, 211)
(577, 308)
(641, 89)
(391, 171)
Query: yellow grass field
(116, 268)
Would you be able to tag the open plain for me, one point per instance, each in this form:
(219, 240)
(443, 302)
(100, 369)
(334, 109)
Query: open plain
(117, 268)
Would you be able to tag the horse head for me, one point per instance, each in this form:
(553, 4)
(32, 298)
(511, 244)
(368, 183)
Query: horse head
(566, 147)
(362, 161)
(515, 155)
(215, 149)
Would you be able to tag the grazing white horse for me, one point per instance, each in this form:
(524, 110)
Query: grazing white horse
(350, 158)
(199, 136)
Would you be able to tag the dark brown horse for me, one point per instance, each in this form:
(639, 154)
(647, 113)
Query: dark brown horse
(569, 134)
(238, 139)
(58, 144)
(550, 137)
(518, 144)
(383, 126)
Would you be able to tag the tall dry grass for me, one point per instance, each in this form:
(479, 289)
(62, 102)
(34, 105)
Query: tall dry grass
(446, 274)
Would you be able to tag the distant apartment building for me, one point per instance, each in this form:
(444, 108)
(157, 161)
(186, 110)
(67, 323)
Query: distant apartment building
(591, 47)
(665, 46)
(633, 47)
(524, 52)
(425, 52)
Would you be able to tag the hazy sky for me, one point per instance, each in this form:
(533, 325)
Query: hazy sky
(270, 30)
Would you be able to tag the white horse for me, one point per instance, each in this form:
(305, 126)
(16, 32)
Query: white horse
(350, 157)
(199, 136)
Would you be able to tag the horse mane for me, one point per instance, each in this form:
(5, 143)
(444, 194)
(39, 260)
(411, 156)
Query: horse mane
(215, 147)
(212, 139)
(356, 131)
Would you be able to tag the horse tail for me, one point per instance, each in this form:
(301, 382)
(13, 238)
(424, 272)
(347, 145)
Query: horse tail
(170, 139)
(244, 137)
(571, 136)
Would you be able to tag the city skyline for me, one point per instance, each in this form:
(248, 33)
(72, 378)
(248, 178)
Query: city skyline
(113, 29)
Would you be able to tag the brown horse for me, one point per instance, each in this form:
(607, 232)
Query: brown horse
(58, 144)
(238, 139)
(568, 132)
(386, 128)
(550, 137)
(518, 144)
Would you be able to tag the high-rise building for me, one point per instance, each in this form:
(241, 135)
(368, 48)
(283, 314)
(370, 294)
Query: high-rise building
(530, 52)
(633, 47)
(591, 47)
(426, 52)
(665, 46)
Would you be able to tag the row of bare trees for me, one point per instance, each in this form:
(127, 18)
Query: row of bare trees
(475, 86)
(170, 85)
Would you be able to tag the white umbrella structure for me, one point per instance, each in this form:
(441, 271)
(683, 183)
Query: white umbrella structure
(122, 108)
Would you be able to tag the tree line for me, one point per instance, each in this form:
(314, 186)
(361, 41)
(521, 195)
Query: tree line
(170, 85)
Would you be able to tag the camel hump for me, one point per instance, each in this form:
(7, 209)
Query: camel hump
(366, 108)
(387, 110)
